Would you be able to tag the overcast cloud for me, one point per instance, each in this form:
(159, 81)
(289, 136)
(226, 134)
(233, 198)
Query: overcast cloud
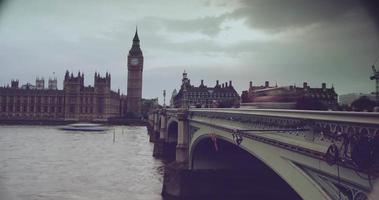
(288, 42)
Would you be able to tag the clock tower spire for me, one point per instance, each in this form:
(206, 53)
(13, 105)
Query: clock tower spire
(135, 68)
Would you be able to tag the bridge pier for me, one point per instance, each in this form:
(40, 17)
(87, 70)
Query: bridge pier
(183, 137)
(154, 131)
(150, 127)
(159, 144)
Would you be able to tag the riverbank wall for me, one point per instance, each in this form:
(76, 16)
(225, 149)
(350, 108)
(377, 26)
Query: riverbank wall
(128, 122)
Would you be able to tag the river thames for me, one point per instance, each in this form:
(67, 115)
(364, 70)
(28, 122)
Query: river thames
(42, 162)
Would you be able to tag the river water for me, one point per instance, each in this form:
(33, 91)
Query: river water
(42, 162)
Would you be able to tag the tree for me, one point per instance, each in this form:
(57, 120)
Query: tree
(363, 104)
(307, 103)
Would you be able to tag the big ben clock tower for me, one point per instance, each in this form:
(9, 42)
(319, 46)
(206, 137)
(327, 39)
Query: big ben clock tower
(135, 68)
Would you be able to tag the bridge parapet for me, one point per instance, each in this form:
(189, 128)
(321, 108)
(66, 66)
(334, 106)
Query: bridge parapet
(330, 124)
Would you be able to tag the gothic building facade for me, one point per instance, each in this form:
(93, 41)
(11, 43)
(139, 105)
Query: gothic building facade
(75, 102)
(223, 95)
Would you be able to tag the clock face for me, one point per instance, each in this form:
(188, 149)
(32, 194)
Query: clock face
(134, 61)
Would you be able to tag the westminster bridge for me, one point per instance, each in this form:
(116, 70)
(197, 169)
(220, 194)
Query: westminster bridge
(313, 154)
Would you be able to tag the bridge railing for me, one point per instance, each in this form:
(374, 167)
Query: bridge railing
(332, 116)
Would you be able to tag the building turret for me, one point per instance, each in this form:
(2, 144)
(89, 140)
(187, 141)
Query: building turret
(14, 84)
(40, 83)
(67, 75)
(72, 83)
(102, 84)
(52, 84)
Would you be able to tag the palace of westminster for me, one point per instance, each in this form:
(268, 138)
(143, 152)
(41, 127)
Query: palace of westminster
(76, 102)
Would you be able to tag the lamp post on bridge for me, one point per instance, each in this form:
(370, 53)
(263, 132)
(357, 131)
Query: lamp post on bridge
(164, 99)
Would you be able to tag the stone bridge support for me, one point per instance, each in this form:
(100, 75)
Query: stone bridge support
(153, 126)
(163, 126)
(160, 143)
(183, 138)
(150, 126)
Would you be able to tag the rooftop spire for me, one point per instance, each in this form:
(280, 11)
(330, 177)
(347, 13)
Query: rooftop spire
(135, 50)
(136, 39)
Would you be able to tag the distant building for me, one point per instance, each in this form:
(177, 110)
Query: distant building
(203, 96)
(290, 94)
(75, 102)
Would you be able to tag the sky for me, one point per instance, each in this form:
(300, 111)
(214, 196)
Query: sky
(285, 42)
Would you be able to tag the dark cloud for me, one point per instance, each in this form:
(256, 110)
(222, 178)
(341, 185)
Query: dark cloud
(372, 8)
(272, 15)
(206, 25)
(276, 16)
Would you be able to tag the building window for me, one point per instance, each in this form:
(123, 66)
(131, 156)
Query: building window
(100, 105)
(72, 108)
(72, 100)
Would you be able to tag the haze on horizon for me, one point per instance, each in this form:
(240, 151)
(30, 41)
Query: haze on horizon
(290, 42)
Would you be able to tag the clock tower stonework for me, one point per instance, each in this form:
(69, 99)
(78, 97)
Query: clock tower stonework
(135, 68)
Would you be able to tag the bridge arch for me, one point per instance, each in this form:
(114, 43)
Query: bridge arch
(239, 167)
(172, 138)
(172, 120)
(287, 166)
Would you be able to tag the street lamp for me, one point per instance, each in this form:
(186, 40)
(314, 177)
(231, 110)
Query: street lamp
(164, 99)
